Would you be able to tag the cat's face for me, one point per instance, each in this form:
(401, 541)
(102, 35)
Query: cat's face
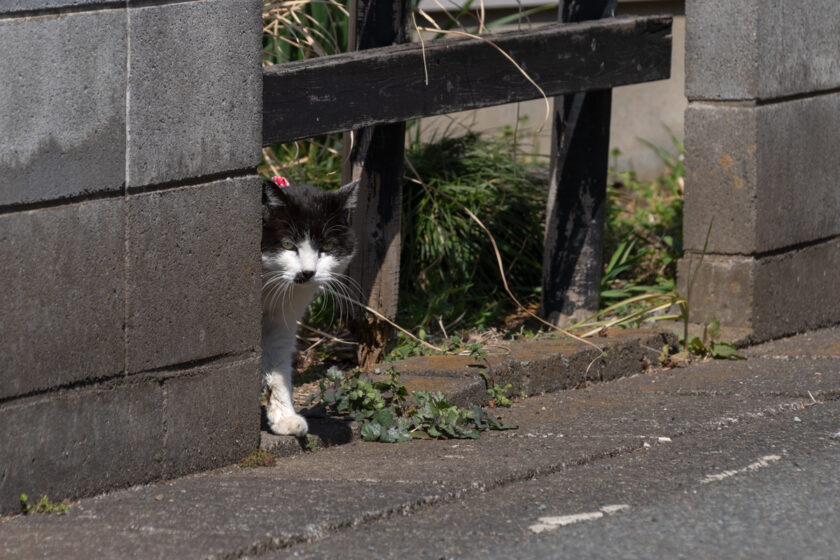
(306, 236)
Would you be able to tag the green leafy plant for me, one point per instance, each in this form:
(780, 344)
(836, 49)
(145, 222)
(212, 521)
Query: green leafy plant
(311, 443)
(498, 394)
(710, 346)
(477, 352)
(389, 413)
(43, 505)
(643, 236)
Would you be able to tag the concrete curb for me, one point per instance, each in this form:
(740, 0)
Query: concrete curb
(531, 367)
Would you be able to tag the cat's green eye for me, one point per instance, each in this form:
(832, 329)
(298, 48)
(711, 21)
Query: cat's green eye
(287, 245)
(327, 247)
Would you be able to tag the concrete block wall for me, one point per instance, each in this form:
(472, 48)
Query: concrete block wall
(762, 127)
(129, 236)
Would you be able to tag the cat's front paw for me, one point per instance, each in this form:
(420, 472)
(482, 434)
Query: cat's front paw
(294, 425)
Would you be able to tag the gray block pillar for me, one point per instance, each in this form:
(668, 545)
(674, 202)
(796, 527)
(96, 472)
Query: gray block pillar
(129, 236)
(762, 165)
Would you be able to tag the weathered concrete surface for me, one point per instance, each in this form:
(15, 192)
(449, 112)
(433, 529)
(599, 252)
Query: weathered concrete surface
(530, 367)
(195, 89)
(193, 273)
(824, 343)
(762, 83)
(62, 303)
(137, 428)
(749, 169)
(806, 377)
(212, 414)
(63, 131)
(88, 439)
(772, 296)
(102, 278)
(11, 7)
(551, 364)
(746, 49)
(641, 442)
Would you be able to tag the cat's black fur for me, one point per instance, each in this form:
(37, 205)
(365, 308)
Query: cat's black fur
(295, 212)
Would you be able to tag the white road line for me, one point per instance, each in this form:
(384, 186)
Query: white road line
(765, 461)
(551, 523)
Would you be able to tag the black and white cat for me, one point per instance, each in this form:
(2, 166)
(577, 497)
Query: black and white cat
(307, 244)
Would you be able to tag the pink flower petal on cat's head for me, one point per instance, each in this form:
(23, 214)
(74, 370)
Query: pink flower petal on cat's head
(280, 181)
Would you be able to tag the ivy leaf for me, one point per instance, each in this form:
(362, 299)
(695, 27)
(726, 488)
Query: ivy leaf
(724, 351)
(385, 417)
(371, 431)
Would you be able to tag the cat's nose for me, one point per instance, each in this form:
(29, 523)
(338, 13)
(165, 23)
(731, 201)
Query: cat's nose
(303, 276)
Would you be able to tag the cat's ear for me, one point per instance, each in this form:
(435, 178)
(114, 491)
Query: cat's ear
(272, 199)
(272, 196)
(348, 192)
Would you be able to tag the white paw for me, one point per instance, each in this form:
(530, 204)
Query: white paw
(294, 425)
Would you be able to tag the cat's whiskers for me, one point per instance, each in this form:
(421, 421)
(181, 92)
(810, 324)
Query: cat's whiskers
(329, 291)
(350, 283)
(339, 287)
(276, 287)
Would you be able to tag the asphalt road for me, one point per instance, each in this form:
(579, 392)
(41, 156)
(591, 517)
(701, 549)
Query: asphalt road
(769, 488)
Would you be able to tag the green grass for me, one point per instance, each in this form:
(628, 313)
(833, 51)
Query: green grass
(643, 232)
(448, 269)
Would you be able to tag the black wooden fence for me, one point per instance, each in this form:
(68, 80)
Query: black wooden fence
(375, 89)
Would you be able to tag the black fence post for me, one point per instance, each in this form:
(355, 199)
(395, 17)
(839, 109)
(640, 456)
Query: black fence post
(573, 254)
(375, 155)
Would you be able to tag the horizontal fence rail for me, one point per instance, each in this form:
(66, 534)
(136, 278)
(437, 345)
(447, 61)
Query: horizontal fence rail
(385, 85)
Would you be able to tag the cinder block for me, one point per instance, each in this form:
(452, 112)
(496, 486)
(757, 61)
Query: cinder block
(75, 443)
(764, 173)
(195, 89)
(193, 273)
(772, 296)
(212, 415)
(62, 303)
(751, 49)
(720, 49)
(721, 178)
(724, 289)
(62, 106)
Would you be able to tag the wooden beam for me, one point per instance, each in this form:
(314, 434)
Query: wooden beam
(375, 156)
(387, 85)
(574, 235)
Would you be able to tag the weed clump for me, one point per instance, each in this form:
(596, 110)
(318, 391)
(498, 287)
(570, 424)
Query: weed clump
(259, 458)
(43, 505)
(390, 413)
